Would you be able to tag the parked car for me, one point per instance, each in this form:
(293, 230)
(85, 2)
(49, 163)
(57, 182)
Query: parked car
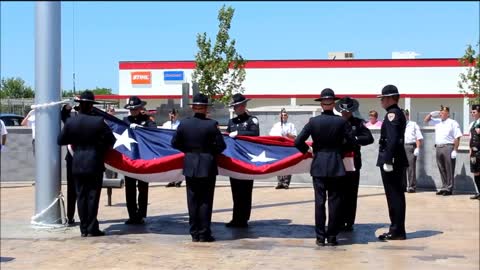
(11, 119)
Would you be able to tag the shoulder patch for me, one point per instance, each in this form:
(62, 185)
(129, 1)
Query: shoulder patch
(255, 120)
(391, 116)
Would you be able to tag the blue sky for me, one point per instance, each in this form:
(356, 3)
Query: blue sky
(104, 33)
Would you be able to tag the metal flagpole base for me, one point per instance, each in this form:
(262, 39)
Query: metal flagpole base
(39, 221)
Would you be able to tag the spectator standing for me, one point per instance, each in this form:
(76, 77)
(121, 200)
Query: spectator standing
(29, 121)
(447, 140)
(413, 141)
(373, 121)
(288, 130)
(172, 123)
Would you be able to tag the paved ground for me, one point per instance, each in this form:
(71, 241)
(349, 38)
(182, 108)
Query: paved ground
(443, 233)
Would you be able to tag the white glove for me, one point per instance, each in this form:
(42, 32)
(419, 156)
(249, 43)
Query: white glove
(310, 150)
(435, 114)
(134, 126)
(387, 167)
(416, 152)
(453, 155)
(233, 134)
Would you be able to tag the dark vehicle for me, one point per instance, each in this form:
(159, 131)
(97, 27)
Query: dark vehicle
(11, 119)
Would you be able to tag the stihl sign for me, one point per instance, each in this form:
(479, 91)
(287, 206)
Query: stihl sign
(141, 77)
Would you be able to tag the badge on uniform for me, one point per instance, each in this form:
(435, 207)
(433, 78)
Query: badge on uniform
(391, 116)
(255, 120)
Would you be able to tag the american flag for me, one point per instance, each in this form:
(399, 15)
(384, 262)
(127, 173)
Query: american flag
(146, 154)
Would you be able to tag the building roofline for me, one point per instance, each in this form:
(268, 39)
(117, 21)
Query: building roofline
(304, 63)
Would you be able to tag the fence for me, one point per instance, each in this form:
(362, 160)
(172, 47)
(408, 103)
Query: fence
(23, 106)
(16, 106)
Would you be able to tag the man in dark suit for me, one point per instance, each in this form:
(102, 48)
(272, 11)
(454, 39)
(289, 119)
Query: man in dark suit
(200, 139)
(347, 107)
(65, 114)
(90, 137)
(136, 119)
(392, 161)
(331, 135)
(243, 124)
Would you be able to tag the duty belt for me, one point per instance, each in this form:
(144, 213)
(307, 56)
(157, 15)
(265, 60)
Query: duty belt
(443, 145)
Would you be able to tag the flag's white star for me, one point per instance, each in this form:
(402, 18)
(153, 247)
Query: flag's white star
(123, 139)
(261, 158)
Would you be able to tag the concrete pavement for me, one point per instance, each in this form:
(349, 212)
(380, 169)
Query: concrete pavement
(443, 233)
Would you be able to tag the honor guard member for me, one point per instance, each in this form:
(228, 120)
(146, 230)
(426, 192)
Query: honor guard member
(200, 139)
(413, 141)
(392, 161)
(447, 140)
(475, 148)
(136, 213)
(244, 125)
(348, 107)
(331, 135)
(66, 113)
(90, 137)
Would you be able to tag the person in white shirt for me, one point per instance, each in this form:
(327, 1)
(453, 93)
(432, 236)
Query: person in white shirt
(284, 129)
(447, 140)
(3, 134)
(172, 124)
(413, 141)
(29, 121)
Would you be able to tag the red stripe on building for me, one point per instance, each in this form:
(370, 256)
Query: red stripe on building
(356, 63)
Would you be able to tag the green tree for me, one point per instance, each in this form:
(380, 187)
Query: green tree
(15, 88)
(470, 80)
(101, 91)
(96, 91)
(219, 70)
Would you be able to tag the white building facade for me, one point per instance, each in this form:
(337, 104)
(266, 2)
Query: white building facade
(424, 84)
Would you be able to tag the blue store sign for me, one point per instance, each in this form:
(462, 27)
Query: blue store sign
(173, 75)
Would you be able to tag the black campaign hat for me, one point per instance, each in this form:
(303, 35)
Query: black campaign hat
(200, 99)
(388, 91)
(134, 102)
(86, 96)
(327, 93)
(347, 104)
(476, 107)
(238, 99)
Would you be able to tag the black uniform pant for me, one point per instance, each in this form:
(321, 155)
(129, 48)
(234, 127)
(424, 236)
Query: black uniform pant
(330, 186)
(242, 199)
(71, 191)
(350, 195)
(395, 193)
(88, 188)
(136, 212)
(200, 193)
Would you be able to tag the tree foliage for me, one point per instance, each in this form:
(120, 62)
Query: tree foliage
(15, 88)
(219, 70)
(470, 80)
